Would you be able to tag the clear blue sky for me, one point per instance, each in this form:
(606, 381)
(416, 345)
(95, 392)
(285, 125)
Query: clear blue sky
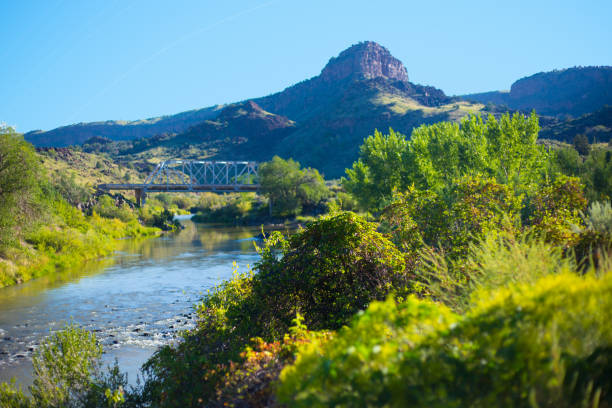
(65, 61)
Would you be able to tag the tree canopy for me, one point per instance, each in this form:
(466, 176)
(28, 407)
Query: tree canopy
(439, 154)
(289, 187)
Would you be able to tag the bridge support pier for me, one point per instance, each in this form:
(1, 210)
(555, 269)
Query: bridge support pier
(141, 196)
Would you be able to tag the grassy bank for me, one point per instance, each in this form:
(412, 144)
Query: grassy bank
(68, 242)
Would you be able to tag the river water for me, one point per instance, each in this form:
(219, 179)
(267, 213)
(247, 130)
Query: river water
(135, 301)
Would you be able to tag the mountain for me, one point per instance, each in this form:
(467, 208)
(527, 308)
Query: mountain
(320, 122)
(597, 126)
(568, 92)
(120, 130)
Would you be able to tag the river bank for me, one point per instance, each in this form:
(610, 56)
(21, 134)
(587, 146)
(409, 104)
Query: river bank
(134, 300)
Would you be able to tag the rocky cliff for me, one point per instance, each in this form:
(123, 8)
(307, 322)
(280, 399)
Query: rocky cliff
(365, 60)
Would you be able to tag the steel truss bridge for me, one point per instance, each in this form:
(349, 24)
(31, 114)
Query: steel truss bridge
(184, 176)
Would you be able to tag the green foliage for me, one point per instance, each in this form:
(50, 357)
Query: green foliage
(594, 170)
(555, 209)
(68, 373)
(594, 244)
(20, 201)
(326, 273)
(497, 260)
(437, 155)
(545, 344)
(329, 271)
(64, 366)
(106, 208)
(69, 190)
(599, 217)
(581, 144)
(453, 219)
(231, 208)
(289, 187)
(379, 170)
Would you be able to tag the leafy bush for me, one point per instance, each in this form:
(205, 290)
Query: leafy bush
(594, 244)
(497, 260)
(106, 208)
(545, 345)
(69, 190)
(555, 209)
(453, 219)
(68, 373)
(329, 271)
(326, 272)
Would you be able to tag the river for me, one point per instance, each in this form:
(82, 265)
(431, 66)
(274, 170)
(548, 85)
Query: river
(135, 301)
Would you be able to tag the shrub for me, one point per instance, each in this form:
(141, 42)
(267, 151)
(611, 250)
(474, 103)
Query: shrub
(544, 345)
(106, 208)
(495, 261)
(555, 210)
(453, 219)
(291, 188)
(21, 203)
(594, 245)
(329, 271)
(67, 373)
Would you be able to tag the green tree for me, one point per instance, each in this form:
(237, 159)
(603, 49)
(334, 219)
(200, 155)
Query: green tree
(439, 154)
(581, 144)
(379, 171)
(20, 172)
(289, 187)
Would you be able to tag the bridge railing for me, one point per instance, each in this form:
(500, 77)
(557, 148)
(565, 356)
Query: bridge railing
(194, 176)
(197, 173)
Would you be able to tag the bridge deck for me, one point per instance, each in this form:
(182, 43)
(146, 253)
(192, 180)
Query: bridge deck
(153, 188)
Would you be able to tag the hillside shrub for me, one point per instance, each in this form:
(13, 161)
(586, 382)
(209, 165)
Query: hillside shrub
(498, 259)
(594, 244)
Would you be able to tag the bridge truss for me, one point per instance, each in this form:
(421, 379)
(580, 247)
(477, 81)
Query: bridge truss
(180, 176)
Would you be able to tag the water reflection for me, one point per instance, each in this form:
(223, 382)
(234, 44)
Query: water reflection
(134, 301)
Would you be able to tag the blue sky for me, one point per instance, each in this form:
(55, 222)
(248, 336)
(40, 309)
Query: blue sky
(67, 61)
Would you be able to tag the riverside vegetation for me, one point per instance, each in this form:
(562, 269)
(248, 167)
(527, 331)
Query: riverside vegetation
(479, 276)
(41, 230)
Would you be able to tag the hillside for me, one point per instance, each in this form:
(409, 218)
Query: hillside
(241, 131)
(597, 126)
(568, 92)
(119, 130)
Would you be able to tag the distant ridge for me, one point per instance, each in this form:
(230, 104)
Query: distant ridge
(119, 130)
(566, 92)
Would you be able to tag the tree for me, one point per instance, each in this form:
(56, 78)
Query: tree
(581, 144)
(379, 170)
(289, 187)
(437, 155)
(20, 171)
